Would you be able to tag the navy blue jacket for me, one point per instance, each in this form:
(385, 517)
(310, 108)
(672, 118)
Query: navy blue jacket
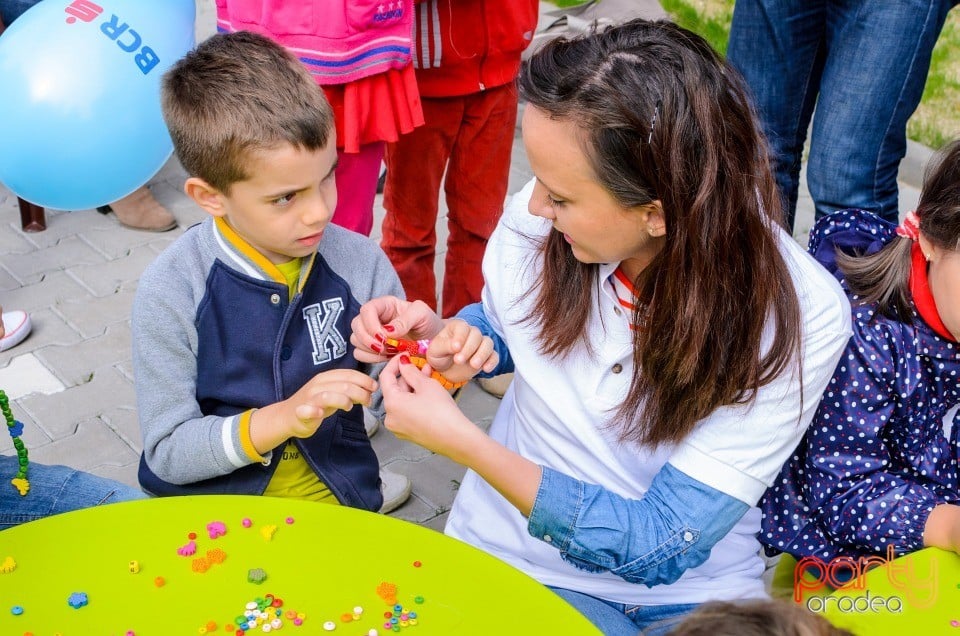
(216, 337)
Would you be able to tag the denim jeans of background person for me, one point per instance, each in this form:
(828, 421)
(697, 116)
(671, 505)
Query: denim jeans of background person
(53, 490)
(858, 68)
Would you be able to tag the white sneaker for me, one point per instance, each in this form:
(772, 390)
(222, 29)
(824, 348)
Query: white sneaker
(395, 488)
(370, 423)
(16, 327)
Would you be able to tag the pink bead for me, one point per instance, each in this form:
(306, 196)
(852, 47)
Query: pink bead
(289, 520)
(246, 523)
(954, 623)
(298, 622)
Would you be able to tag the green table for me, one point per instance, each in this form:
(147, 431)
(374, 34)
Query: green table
(918, 593)
(321, 561)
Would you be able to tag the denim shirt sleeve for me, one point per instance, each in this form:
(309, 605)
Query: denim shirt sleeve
(652, 540)
(473, 315)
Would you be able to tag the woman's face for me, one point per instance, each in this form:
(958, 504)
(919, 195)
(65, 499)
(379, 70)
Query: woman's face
(567, 192)
(943, 274)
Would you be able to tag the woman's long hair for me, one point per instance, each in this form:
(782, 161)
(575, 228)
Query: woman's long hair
(884, 277)
(667, 119)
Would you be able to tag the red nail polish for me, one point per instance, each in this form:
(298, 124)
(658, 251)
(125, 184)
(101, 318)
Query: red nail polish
(376, 347)
(404, 358)
(388, 328)
(380, 337)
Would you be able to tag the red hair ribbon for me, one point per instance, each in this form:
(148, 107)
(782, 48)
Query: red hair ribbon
(910, 228)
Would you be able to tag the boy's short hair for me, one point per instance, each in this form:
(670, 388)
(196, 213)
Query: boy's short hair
(238, 93)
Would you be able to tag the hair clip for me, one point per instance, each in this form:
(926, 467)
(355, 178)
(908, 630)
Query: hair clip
(653, 120)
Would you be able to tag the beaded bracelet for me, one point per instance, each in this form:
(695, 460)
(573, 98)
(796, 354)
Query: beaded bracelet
(417, 350)
(15, 428)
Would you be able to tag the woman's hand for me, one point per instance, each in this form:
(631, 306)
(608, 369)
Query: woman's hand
(422, 411)
(390, 317)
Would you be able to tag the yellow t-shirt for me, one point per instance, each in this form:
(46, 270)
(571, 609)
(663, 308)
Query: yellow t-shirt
(294, 478)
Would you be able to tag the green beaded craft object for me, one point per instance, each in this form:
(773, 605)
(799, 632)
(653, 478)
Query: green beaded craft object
(14, 427)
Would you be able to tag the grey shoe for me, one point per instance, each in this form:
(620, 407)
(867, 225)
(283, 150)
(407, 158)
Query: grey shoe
(395, 488)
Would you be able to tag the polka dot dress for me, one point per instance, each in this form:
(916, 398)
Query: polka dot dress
(882, 450)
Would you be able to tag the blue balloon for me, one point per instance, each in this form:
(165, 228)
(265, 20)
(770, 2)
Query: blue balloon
(80, 120)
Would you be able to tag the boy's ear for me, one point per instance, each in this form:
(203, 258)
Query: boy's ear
(205, 195)
(656, 224)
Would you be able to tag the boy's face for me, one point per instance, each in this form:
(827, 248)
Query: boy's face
(283, 208)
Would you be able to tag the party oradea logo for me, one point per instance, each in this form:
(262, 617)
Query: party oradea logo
(126, 37)
(908, 586)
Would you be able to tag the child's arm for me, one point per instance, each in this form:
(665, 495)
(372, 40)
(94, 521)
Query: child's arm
(942, 529)
(302, 413)
(854, 478)
(181, 444)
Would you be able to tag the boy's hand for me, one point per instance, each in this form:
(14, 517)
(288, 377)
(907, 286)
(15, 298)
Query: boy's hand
(459, 351)
(390, 317)
(323, 395)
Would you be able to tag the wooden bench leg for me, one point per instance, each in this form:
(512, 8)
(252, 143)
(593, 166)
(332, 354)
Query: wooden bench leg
(32, 218)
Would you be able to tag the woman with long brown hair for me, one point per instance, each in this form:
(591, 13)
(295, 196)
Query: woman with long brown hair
(670, 340)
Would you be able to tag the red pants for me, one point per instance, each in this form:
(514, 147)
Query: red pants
(357, 175)
(471, 137)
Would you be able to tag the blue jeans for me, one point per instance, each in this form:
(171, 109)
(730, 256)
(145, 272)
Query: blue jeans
(54, 489)
(616, 619)
(863, 64)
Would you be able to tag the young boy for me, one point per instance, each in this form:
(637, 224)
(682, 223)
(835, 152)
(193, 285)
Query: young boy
(246, 379)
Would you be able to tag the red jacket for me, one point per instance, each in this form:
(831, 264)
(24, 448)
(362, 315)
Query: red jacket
(466, 46)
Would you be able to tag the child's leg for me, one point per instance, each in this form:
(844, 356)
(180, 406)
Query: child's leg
(54, 489)
(476, 189)
(415, 166)
(357, 175)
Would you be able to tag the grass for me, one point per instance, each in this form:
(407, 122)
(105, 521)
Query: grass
(936, 120)
(709, 18)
